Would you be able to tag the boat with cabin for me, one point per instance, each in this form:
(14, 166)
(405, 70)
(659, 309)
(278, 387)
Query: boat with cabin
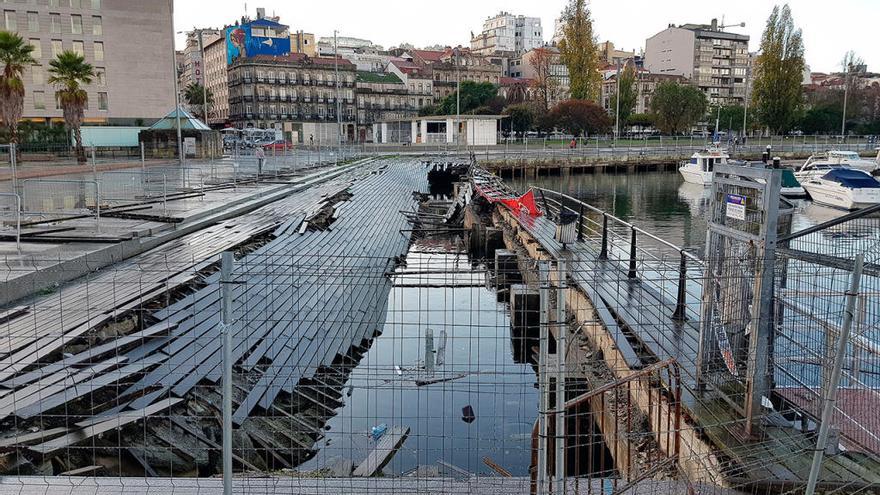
(702, 164)
(844, 188)
(820, 163)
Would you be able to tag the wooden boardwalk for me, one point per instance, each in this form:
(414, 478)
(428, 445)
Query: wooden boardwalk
(305, 297)
(636, 314)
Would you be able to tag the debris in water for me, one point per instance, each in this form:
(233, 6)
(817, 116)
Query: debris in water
(431, 381)
(376, 432)
(467, 414)
(441, 349)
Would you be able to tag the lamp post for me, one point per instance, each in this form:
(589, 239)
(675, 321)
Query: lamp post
(338, 107)
(457, 101)
(176, 87)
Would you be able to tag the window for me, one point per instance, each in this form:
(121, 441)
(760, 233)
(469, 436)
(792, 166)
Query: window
(38, 49)
(76, 24)
(37, 75)
(97, 25)
(79, 48)
(11, 21)
(99, 51)
(96, 4)
(39, 100)
(100, 77)
(57, 48)
(76, 4)
(54, 3)
(33, 22)
(55, 23)
(103, 104)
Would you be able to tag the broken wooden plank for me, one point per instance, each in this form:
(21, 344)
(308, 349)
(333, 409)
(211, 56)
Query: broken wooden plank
(380, 456)
(83, 470)
(111, 424)
(31, 437)
(495, 467)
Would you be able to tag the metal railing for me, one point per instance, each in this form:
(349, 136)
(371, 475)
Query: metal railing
(17, 214)
(41, 197)
(674, 271)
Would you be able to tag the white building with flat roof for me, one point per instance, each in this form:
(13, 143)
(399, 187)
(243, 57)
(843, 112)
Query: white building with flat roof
(507, 32)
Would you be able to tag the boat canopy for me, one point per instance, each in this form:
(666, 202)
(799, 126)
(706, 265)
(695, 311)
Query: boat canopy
(788, 179)
(854, 179)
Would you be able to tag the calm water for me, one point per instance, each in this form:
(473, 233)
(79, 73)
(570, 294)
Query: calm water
(659, 202)
(478, 360)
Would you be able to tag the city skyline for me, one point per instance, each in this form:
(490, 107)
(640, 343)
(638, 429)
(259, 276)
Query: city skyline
(828, 33)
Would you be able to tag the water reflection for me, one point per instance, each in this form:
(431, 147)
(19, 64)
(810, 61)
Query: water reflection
(477, 369)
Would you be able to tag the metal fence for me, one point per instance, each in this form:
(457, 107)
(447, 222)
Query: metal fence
(58, 199)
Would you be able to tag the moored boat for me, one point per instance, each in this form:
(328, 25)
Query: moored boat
(844, 188)
(702, 164)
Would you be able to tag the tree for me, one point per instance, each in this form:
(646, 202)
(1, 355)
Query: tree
(579, 51)
(545, 85)
(473, 95)
(821, 119)
(580, 117)
(15, 54)
(779, 70)
(69, 73)
(521, 118)
(641, 120)
(194, 94)
(628, 95)
(677, 107)
(731, 118)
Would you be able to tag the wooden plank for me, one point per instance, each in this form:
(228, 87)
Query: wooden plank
(384, 451)
(32, 437)
(110, 424)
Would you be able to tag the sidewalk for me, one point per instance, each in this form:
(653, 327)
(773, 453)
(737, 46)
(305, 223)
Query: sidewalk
(40, 170)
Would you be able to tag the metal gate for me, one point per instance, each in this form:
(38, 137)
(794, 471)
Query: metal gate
(745, 220)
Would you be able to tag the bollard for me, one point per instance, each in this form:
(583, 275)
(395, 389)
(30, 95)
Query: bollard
(680, 308)
(603, 254)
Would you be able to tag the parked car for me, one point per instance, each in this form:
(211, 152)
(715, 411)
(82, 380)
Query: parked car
(278, 145)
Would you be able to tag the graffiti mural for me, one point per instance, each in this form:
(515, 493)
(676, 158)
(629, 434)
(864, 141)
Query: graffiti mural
(260, 37)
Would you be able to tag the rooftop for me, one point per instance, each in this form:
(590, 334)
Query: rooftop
(378, 77)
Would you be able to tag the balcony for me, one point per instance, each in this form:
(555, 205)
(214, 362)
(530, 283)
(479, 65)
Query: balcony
(247, 80)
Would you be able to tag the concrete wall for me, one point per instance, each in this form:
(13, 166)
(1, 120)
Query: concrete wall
(671, 51)
(482, 132)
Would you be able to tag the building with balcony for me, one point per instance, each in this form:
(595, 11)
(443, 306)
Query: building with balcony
(128, 44)
(646, 83)
(216, 82)
(382, 97)
(558, 81)
(295, 93)
(507, 32)
(714, 60)
(461, 64)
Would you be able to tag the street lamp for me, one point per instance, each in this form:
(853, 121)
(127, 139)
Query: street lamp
(176, 87)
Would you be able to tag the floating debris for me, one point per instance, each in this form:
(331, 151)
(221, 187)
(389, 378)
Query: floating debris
(467, 414)
(376, 432)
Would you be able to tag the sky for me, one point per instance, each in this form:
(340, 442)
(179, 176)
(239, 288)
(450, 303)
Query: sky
(830, 28)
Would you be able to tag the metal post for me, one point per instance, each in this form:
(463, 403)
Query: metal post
(680, 306)
(143, 159)
(603, 254)
(338, 107)
(831, 393)
(176, 88)
(225, 325)
(94, 164)
(632, 254)
(97, 206)
(204, 76)
(561, 352)
(544, 276)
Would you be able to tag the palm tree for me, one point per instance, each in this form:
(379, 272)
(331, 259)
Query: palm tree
(15, 54)
(69, 72)
(195, 96)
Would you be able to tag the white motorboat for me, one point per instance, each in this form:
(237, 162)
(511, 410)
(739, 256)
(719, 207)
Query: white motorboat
(820, 163)
(702, 164)
(844, 188)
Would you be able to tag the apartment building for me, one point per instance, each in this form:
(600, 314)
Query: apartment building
(507, 32)
(216, 81)
(381, 98)
(559, 82)
(129, 42)
(294, 93)
(461, 64)
(646, 83)
(714, 60)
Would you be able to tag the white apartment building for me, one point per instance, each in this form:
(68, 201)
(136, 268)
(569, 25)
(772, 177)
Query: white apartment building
(128, 42)
(216, 81)
(508, 33)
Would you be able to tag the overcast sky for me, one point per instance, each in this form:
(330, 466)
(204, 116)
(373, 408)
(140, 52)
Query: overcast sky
(830, 28)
